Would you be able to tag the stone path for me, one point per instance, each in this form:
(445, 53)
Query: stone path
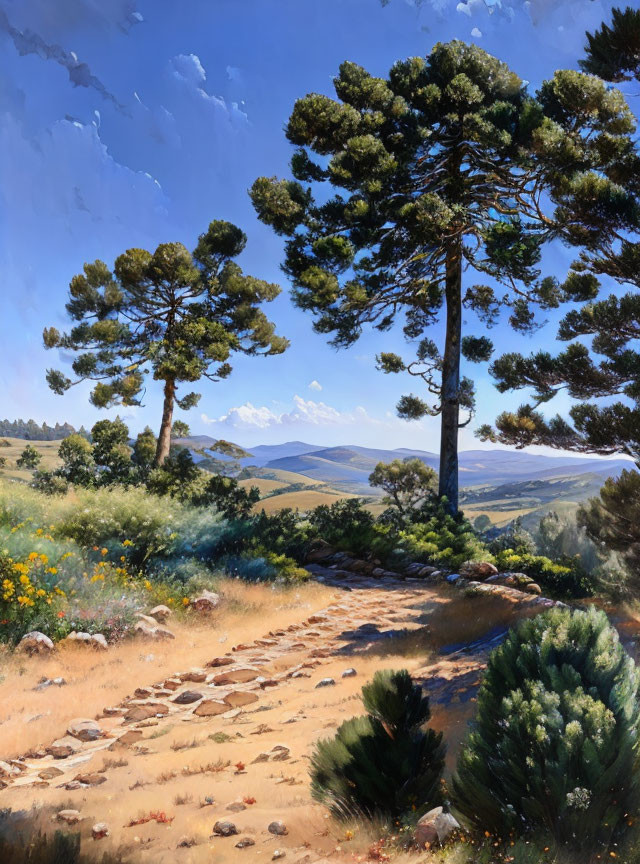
(307, 673)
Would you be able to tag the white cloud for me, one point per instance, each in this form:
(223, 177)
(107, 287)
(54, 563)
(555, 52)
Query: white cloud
(190, 73)
(305, 412)
(315, 385)
(476, 33)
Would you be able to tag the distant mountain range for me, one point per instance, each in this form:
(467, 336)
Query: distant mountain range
(347, 467)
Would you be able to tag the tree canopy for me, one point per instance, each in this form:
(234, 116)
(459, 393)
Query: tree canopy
(176, 314)
(401, 183)
(602, 359)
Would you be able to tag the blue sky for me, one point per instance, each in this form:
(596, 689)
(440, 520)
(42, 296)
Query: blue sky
(133, 122)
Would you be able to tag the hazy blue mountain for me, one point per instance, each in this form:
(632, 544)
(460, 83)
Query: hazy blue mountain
(349, 467)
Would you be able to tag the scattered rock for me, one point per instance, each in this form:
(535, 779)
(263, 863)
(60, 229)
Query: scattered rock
(172, 684)
(35, 642)
(93, 779)
(245, 842)
(278, 828)
(236, 806)
(131, 736)
(145, 710)
(84, 730)
(206, 602)
(113, 711)
(279, 853)
(43, 683)
(186, 843)
(453, 577)
(90, 640)
(211, 708)
(71, 817)
(100, 830)
(279, 753)
(224, 829)
(326, 682)
(187, 697)
(533, 588)
(160, 613)
(349, 673)
(436, 825)
(64, 747)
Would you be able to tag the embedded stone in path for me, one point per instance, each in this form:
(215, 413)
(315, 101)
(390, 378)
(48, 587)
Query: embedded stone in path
(211, 708)
(278, 828)
(187, 697)
(239, 698)
(84, 730)
(221, 661)
(245, 842)
(64, 747)
(240, 675)
(144, 711)
(326, 682)
(349, 673)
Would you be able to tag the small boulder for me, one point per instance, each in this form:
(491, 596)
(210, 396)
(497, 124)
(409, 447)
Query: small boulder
(222, 828)
(35, 642)
(100, 830)
(533, 588)
(239, 675)
(326, 682)
(436, 825)
(207, 601)
(278, 828)
(8, 771)
(160, 613)
(477, 570)
(157, 633)
(349, 673)
(236, 806)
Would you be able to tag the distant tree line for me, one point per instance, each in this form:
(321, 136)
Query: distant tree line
(32, 431)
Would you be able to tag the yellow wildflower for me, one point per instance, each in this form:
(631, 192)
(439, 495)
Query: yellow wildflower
(33, 556)
(127, 543)
(25, 601)
(104, 550)
(43, 558)
(53, 570)
(185, 601)
(41, 592)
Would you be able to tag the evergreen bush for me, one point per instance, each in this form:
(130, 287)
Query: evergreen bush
(384, 763)
(554, 746)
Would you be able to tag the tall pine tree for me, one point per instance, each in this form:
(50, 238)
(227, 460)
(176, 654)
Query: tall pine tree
(446, 166)
(176, 314)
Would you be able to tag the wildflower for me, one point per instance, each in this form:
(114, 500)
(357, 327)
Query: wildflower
(185, 601)
(61, 614)
(44, 558)
(104, 550)
(52, 570)
(41, 592)
(23, 600)
(33, 556)
(127, 542)
(147, 584)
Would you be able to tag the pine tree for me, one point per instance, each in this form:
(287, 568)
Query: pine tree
(554, 745)
(176, 314)
(611, 365)
(385, 763)
(444, 165)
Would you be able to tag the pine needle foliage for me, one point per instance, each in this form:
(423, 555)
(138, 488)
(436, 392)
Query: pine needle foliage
(385, 763)
(555, 742)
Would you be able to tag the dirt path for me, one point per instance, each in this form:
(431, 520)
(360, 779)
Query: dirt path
(230, 740)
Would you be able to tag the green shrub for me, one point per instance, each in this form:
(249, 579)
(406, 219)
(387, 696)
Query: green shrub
(49, 483)
(555, 738)
(385, 763)
(438, 538)
(344, 524)
(563, 578)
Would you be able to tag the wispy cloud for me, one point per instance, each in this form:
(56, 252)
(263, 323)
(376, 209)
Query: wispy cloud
(29, 42)
(315, 385)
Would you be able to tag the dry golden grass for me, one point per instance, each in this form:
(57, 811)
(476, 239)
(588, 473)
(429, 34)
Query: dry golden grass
(305, 499)
(48, 449)
(263, 484)
(498, 517)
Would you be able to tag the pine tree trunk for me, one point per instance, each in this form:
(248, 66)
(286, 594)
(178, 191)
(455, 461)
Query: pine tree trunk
(164, 438)
(448, 477)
